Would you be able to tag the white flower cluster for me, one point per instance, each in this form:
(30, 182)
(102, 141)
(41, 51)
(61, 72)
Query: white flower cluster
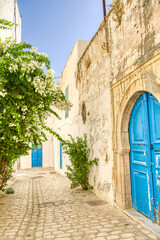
(13, 67)
(3, 93)
(12, 125)
(50, 74)
(5, 45)
(30, 67)
(24, 108)
(27, 135)
(44, 54)
(17, 60)
(60, 105)
(39, 85)
(9, 55)
(42, 65)
(44, 86)
(15, 138)
(33, 49)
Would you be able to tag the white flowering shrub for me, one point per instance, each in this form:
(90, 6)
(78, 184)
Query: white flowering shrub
(28, 96)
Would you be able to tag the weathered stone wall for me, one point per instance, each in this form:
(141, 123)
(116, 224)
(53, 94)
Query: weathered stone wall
(93, 83)
(125, 93)
(137, 38)
(135, 68)
(104, 79)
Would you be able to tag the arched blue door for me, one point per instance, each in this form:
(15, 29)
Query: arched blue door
(144, 133)
(37, 156)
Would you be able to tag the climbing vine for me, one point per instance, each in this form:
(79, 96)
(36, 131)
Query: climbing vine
(4, 24)
(79, 153)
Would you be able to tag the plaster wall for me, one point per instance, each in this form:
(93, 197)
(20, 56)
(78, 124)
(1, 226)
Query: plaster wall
(9, 10)
(68, 125)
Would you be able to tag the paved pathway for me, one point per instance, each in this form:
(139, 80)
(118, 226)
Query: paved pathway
(43, 208)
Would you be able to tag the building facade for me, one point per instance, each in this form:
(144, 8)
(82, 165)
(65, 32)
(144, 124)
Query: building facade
(9, 10)
(69, 119)
(118, 84)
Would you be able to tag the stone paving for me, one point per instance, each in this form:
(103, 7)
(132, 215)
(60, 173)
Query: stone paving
(43, 208)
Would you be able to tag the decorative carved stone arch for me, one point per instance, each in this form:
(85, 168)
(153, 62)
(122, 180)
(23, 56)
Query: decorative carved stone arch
(122, 147)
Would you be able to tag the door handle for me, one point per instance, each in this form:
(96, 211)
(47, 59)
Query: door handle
(151, 164)
(151, 146)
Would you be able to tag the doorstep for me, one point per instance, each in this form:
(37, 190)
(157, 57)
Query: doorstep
(155, 228)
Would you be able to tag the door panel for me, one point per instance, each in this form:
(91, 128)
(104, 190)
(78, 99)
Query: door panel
(141, 180)
(37, 156)
(154, 113)
(34, 158)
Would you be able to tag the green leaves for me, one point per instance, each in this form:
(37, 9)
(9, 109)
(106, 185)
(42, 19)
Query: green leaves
(28, 96)
(4, 24)
(79, 169)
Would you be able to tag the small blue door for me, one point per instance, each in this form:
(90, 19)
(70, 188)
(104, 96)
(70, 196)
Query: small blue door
(61, 160)
(37, 156)
(144, 132)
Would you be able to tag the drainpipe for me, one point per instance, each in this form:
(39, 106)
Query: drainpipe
(104, 8)
(105, 24)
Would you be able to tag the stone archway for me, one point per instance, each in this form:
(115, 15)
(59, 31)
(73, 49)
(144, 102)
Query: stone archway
(122, 184)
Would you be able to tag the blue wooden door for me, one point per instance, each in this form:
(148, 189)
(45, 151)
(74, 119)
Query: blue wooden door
(154, 115)
(61, 159)
(144, 134)
(140, 158)
(37, 156)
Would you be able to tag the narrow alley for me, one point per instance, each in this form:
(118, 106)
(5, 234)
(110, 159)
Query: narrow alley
(44, 207)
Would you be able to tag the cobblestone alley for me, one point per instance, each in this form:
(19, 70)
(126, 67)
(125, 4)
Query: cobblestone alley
(43, 207)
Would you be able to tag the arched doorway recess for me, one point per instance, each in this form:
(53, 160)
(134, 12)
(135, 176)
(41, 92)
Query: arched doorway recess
(125, 91)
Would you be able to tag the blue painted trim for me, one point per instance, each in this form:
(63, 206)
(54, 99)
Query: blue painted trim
(61, 156)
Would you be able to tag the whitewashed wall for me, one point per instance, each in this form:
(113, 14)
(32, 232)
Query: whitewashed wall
(9, 10)
(68, 125)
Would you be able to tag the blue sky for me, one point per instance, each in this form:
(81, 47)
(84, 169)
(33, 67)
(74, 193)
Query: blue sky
(53, 26)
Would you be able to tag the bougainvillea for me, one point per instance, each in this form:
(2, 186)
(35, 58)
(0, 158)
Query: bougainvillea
(28, 95)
